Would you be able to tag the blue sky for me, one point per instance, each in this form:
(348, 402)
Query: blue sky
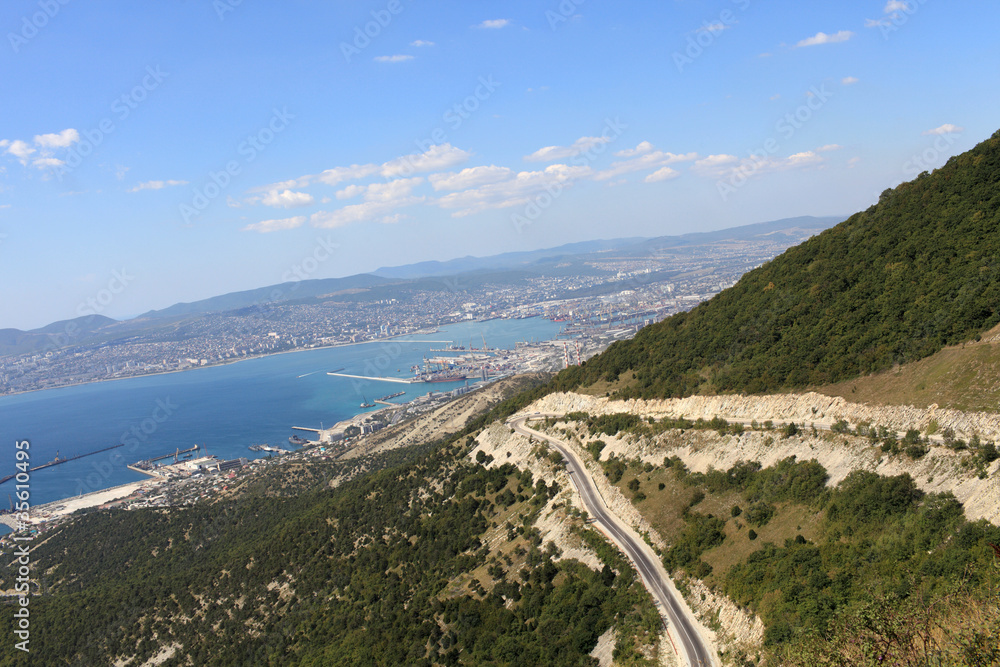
(152, 153)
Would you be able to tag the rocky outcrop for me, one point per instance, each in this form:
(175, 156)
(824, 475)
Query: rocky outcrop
(938, 471)
(800, 408)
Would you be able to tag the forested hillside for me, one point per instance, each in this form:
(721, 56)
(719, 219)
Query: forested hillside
(892, 284)
(393, 568)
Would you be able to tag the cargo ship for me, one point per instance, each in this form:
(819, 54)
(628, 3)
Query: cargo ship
(296, 440)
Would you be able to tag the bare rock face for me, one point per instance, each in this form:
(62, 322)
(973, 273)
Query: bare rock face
(938, 471)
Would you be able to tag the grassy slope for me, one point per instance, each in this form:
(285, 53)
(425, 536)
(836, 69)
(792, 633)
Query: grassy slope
(962, 377)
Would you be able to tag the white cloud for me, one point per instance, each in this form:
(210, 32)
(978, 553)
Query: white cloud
(947, 128)
(351, 191)
(653, 160)
(714, 163)
(893, 6)
(286, 199)
(643, 147)
(550, 153)
(381, 199)
(47, 163)
(776, 96)
(156, 185)
(823, 38)
(469, 178)
(435, 158)
(715, 27)
(276, 225)
(829, 147)
(63, 139)
(514, 191)
(728, 166)
(329, 177)
(398, 58)
(421, 42)
(493, 23)
(853, 162)
(664, 174)
(848, 80)
(20, 149)
(341, 174)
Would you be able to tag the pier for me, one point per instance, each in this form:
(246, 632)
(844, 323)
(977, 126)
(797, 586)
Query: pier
(175, 454)
(57, 461)
(376, 379)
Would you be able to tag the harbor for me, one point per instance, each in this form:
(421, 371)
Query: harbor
(266, 398)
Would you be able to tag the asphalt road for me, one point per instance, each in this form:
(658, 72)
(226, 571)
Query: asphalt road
(642, 556)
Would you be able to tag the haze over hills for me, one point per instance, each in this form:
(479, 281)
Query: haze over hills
(890, 285)
(789, 227)
(506, 267)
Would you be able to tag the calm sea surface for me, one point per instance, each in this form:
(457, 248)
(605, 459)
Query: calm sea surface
(223, 408)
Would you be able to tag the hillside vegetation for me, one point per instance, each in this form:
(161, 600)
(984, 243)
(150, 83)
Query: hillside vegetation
(890, 285)
(811, 559)
(430, 559)
(962, 377)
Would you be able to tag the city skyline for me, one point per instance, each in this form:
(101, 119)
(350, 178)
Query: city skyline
(234, 142)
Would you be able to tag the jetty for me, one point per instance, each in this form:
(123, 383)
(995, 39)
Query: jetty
(376, 379)
(57, 461)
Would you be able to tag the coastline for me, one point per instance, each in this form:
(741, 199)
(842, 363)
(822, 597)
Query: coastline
(214, 365)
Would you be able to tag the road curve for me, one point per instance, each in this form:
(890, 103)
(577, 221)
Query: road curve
(641, 555)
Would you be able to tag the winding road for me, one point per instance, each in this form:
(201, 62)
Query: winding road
(641, 554)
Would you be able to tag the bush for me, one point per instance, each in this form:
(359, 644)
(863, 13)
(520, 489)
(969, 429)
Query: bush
(759, 514)
(595, 448)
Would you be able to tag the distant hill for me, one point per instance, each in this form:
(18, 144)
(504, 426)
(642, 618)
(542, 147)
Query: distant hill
(271, 293)
(15, 341)
(805, 225)
(793, 228)
(892, 284)
(507, 260)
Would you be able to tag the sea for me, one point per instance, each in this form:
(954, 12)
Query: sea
(223, 409)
